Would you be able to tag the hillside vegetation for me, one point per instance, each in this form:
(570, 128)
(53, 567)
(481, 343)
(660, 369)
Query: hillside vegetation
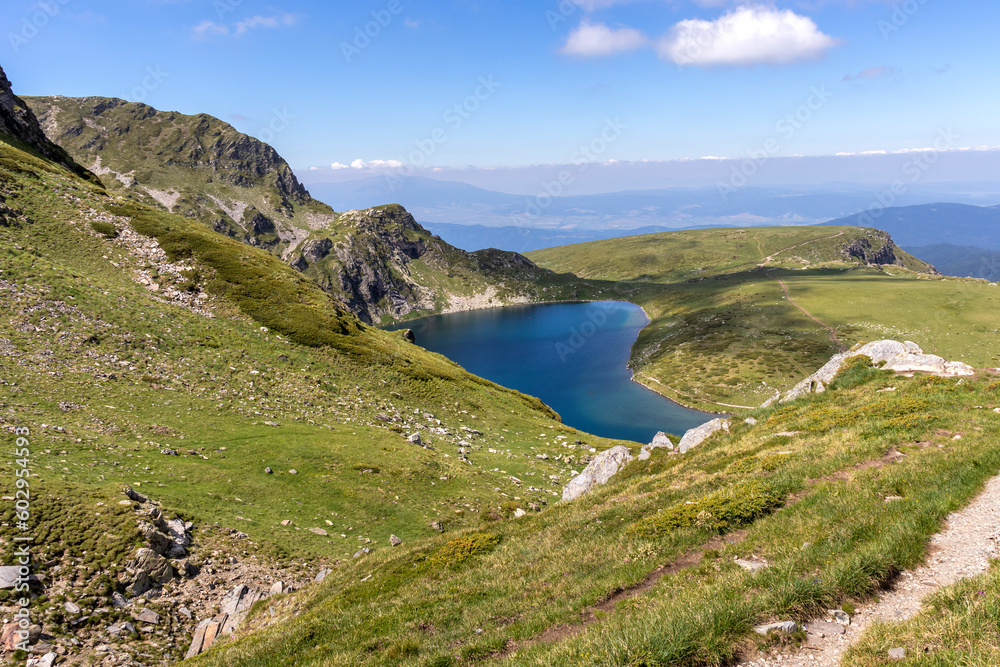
(834, 493)
(738, 314)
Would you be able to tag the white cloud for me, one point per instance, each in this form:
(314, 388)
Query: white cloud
(746, 36)
(207, 29)
(372, 164)
(597, 39)
(271, 22)
(411, 23)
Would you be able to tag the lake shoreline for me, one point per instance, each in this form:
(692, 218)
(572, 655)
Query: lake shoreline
(585, 377)
(675, 398)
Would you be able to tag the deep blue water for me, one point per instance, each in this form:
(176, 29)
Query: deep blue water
(573, 356)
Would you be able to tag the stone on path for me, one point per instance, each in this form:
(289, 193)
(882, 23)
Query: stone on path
(784, 627)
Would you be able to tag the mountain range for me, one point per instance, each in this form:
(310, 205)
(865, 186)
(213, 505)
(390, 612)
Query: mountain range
(228, 465)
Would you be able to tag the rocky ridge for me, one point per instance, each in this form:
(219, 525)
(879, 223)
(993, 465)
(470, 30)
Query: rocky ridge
(380, 262)
(19, 123)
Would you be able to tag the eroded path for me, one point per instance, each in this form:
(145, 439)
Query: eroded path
(833, 332)
(963, 549)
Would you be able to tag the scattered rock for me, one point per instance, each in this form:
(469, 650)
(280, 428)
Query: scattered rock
(271, 424)
(897, 653)
(185, 612)
(277, 588)
(841, 616)
(518, 513)
(133, 495)
(118, 601)
(700, 434)
(604, 466)
(892, 499)
(784, 627)
(286, 522)
(750, 421)
(47, 660)
(293, 471)
(147, 569)
(10, 636)
(71, 608)
(659, 440)
(147, 616)
(268, 471)
(415, 439)
(361, 552)
(322, 574)
(169, 452)
(319, 531)
(436, 525)
(9, 576)
(395, 541)
(751, 565)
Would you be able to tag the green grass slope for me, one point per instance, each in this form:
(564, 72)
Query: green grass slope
(689, 255)
(128, 331)
(737, 315)
(641, 571)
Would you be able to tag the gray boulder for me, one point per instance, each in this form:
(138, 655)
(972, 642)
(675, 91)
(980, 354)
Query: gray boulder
(604, 466)
(700, 434)
(904, 357)
(146, 570)
(660, 440)
(785, 627)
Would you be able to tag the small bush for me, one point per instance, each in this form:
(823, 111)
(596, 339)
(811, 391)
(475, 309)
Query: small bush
(725, 509)
(464, 547)
(105, 229)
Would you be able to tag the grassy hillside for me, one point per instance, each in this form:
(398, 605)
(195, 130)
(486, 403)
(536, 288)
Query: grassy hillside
(379, 262)
(129, 332)
(642, 571)
(689, 255)
(739, 314)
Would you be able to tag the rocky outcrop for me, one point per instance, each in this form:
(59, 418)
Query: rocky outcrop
(700, 434)
(660, 440)
(604, 466)
(891, 355)
(877, 250)
(18, 122)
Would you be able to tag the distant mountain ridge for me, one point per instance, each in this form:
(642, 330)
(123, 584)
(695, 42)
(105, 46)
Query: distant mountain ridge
(433, 201)
(931, 224)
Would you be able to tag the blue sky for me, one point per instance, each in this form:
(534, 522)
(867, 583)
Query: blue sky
(534, 81)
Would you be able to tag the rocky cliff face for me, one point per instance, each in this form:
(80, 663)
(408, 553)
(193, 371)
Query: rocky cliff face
(383, 264)
(19, 123)
(876, 248)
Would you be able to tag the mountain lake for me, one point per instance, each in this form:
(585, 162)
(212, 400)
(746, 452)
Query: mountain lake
(573, 356)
